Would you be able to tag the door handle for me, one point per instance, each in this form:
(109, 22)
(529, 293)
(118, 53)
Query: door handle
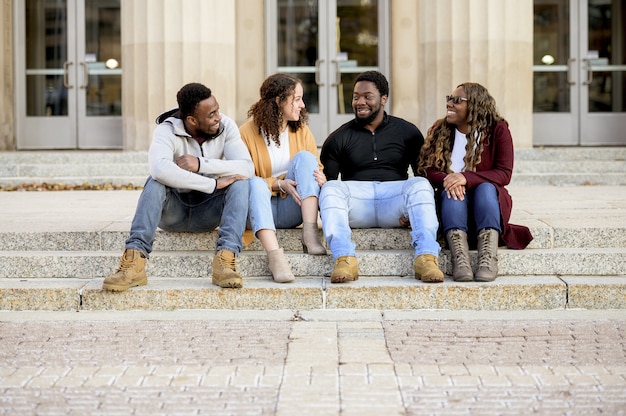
(85, 75)
(66, 66)
(587, 62)
(318, 80)
(337, 73)
(570, 61)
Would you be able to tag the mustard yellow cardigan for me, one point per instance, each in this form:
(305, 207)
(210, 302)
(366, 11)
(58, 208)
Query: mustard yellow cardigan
(257, 146)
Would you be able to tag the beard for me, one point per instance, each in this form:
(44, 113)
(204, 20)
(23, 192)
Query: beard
(364, 121)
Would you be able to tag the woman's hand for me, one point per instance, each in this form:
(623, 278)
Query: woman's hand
(454, 184)
(288, 186)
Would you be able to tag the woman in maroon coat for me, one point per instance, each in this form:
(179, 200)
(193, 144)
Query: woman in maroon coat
(468, 158)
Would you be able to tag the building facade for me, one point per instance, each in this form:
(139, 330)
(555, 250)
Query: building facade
(94, 74)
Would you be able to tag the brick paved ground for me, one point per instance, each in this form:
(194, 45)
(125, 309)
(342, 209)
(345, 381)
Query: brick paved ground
(371, 366)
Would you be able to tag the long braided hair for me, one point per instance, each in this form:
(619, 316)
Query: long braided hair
(482, 116)
(266, 112)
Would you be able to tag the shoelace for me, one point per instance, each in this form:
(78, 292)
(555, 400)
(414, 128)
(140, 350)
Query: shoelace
(486, 257)
(458, 248)
(229, 263)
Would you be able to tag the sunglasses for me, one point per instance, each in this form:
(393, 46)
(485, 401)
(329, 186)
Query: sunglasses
(455, 99)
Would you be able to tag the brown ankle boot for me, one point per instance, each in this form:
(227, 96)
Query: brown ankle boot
(459, 251)
(311, 242)
(279, 267)
(487, 255)
(225, 270)
(346, 270)
(426, 269)
(131, 272)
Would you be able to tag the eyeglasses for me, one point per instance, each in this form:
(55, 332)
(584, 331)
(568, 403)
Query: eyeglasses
(455, 99)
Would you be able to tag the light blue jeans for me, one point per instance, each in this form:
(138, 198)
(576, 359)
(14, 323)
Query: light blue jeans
(269, 212)
(480, 203)
(164, 207)
(358, 204)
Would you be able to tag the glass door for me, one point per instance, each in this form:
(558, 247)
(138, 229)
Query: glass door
(579, 72)
(603, 77)
(327, 44)
(68, 80)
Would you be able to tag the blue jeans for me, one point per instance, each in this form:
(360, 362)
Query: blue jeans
(358, 204)
(164, 207)
(269, 212)
(481, 204)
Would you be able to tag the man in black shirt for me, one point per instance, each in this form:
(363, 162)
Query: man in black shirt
(372, 153)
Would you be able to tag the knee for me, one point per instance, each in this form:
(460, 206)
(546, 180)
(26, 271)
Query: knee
(305, 160)
(258, 186)
(241, 187)
(333, 191)
(153, 186)
(485, 192)
(419, 187)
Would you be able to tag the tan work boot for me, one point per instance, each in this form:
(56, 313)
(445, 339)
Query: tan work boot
(225, 270)
(346, 270)
(427, 269)
(487, 255)
(281, 272)
(131, 272)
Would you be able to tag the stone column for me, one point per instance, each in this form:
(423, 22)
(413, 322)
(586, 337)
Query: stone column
(166, 44)
(7, 128)
(484, 41)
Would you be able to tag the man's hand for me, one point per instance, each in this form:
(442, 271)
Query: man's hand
(225, 181)
(188, 162)
(405, 222)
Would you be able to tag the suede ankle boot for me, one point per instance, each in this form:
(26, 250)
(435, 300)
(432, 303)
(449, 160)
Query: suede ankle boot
(311, 242)
(487, 255)
(459, 251)
(281, 272)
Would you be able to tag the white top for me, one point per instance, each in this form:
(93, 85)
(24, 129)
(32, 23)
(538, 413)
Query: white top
(279, 156)
(458, 152)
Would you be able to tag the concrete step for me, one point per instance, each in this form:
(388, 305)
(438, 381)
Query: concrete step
(545, 237)
(547, 166)
(310, 293)
(192, 264)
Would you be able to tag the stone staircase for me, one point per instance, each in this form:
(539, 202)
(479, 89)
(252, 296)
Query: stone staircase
(538, 166)
(55, 247)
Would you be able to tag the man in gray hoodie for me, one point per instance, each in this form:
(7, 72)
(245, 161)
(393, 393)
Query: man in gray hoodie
(199, 168)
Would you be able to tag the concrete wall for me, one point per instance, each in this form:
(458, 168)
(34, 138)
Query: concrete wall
(438, 44)
(7, 122)
(165, 46)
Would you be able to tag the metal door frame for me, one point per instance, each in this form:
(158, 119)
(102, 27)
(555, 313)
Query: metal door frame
(327, 67)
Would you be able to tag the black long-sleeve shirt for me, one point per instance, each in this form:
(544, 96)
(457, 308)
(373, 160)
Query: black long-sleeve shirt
(361, 155)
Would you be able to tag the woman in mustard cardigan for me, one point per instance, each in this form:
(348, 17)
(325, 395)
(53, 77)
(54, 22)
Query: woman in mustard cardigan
(288, 174)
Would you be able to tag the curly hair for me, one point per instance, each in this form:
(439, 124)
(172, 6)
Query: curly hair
(189, 96)
(482, 116)
(376, 78)
(266, 112)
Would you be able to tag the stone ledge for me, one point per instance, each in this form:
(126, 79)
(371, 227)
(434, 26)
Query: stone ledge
(316, 293)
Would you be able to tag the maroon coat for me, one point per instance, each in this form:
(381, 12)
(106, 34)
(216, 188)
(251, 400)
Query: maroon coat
(496, 167)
